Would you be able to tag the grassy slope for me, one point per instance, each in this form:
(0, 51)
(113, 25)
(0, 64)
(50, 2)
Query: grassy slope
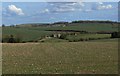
(86, 36)
(24, 33)
(106, 40)
(52, 40)
(77, 58)
(91, 27)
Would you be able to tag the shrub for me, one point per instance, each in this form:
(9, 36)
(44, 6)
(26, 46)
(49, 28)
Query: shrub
(115, 35)
(11, 39)
(63, 36)
(42, 41)
(81, 39)
(70, 41)
(52, 35)
(91, 38)
(23, 41)
(36, 41)
(86, 39)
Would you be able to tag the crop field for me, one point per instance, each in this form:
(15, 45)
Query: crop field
(60, 58)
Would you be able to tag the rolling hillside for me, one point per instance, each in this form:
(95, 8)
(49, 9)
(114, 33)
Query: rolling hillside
(30, 33)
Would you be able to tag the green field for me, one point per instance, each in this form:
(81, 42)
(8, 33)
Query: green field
(87, 36)
(27, 33)
(106, 40)
(91, 27)
(24, 33)
(51, 40)
(45, 54)
(60, 58)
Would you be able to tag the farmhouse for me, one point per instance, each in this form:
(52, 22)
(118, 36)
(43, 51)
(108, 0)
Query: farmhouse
(57, 35)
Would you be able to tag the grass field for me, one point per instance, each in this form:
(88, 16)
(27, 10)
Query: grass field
(91, 27)
(51, 40)
(51, 55)
(60, 58)
(106, 40)
(87, 36)
(26, 32)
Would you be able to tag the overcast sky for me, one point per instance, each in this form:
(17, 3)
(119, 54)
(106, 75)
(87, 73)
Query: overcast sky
(42, 12)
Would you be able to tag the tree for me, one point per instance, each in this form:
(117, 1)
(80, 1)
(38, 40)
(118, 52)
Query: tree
(63, 36)
(115, 35)
(3, 25)
(11, 39)
(12, 25)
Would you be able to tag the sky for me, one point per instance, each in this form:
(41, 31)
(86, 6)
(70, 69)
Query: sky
(49, 12)
(59, 0)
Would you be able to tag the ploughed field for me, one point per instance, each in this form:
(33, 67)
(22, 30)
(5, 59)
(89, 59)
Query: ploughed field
(60, 58)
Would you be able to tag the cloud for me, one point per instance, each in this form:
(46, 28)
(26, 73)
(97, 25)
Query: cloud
(16, 10)
(100, 3)
(45, 11)
(87, 10)
(64, 9)
(81, 3)
(101, 6)
(77, 6)
(59, 7)
(105, 7)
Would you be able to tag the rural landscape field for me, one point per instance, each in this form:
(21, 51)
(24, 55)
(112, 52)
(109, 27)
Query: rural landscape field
(45, 43)
(53, 55)
(61, 58)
